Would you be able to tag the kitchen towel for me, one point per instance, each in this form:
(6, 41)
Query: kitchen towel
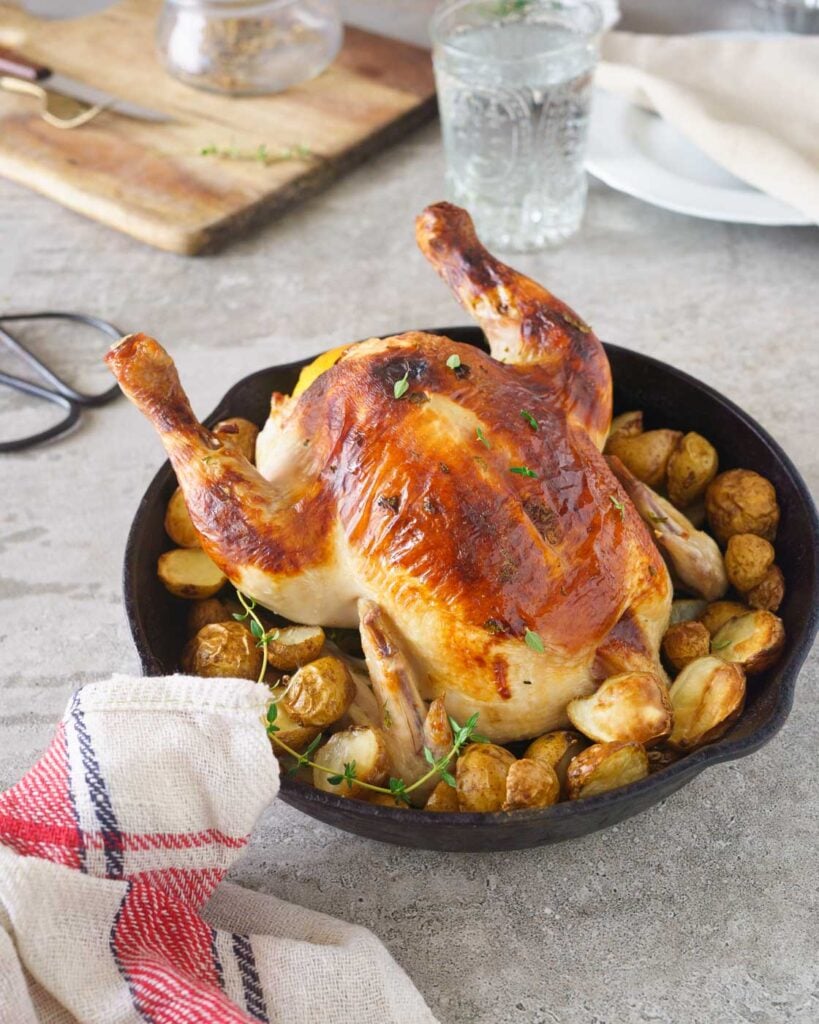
(112, 853)
(748, 102)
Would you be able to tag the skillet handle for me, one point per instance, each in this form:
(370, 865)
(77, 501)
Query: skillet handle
(15, 64)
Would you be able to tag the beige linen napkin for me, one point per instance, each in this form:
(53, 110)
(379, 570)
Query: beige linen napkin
(751, 104)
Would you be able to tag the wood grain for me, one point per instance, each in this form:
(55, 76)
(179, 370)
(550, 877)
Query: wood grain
(150, 180)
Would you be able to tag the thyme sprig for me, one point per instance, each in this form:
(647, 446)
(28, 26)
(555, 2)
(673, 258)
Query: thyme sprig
(262, 637)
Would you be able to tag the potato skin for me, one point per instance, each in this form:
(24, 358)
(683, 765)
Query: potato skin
(530, 784)
(443, 799)
(606, 766)
(632, 706)
(178, 525)
(203, 613)
(769, 593)
(708, 696)
(719, 612)
(481, 776)
(627, 424)
(291, 732)
(685, 642)
(361, 744)
(753, 641)
(747, 560)
(189, 573)
(556, 750)
(741, 501)
(240, 434)
(646, 455)
(320, 693)
(223, 650)
(692, 466)
(284, 654)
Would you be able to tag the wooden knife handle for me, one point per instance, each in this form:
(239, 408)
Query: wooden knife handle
(15, 64)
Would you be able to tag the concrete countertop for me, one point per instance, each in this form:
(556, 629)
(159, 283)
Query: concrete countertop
(702, 910)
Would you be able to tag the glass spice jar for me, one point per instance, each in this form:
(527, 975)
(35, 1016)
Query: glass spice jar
(244, 47)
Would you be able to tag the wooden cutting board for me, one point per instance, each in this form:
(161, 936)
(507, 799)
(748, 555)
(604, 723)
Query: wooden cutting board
(151, 180)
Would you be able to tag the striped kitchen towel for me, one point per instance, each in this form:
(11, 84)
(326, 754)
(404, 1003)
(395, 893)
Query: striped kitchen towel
(112, 853)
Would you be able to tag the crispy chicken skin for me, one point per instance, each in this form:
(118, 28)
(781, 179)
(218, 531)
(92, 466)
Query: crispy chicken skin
(409, 507)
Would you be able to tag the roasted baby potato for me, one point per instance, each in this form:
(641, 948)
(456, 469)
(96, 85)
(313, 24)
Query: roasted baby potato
(189, 573)
(769, 593)
(692, 466)
(320, 693)
(481, 776)
(292, 646)
(630, 706)
(646, 455)
(178, 525)
(627, 424)
(707, 697)
(605, 766)
(239, 434)
(741, 501)
(443, 799)
(203, 613)
(555, 750)
(223, 649)
(685, 642)
(687, 609)
(719, 612)
(753, 641)
(747, 560)
(291, 732)
(360, 746)
(530, 783)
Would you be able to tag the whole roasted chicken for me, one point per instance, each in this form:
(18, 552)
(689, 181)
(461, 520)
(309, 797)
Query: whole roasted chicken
(452, 504)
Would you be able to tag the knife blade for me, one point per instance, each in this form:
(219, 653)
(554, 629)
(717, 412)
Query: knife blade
(17, 66)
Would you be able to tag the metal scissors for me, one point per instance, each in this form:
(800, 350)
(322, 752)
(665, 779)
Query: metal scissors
(59, 393)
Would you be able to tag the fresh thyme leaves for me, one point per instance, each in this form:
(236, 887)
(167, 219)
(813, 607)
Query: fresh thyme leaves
(530, 419)
(261, 154)
(523, 471)
(482, 437)
(721, 645)
(401, 387)
(454, 361)
(621, 508)
(533, 641)
(397, 787)
(256, 628)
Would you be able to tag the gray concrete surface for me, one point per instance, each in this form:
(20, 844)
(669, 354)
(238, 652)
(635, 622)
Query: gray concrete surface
(703, 910)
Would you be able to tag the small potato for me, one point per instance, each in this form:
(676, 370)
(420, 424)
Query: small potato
(481, 776)
(291, 732)
(555, 750)
(627, 424)
(293, 646)
(189, 573)
(360, 746)
(239, 434)
(606, 766)
(686, 610)
(747, 560)
(203, 613)
(719, 612)
(741, 501)
(530, 783)
(691, 468)
(769, 593)
(685, 642)
(178, 525)
(707, 697)
(443, 799)
(223, 649)
(320, 693)
(631, 706)
(646, 455)
(753, 641)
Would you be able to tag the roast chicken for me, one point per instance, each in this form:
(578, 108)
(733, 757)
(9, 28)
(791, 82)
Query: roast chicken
(454, 505)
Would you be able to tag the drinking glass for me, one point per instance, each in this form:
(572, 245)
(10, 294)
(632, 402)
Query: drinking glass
(514, 80)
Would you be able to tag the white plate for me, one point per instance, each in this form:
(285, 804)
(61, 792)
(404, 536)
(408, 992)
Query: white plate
(637, 152)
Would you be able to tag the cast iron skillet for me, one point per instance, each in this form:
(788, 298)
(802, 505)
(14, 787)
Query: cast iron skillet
(668, 398)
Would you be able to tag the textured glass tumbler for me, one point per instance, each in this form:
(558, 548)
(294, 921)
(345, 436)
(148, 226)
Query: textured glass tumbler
(514, 80)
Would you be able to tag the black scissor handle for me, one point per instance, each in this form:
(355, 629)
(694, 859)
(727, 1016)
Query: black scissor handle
(61, 387)
(27, 388)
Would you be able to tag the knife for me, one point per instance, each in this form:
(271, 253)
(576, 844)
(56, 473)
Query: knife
(17, 66)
